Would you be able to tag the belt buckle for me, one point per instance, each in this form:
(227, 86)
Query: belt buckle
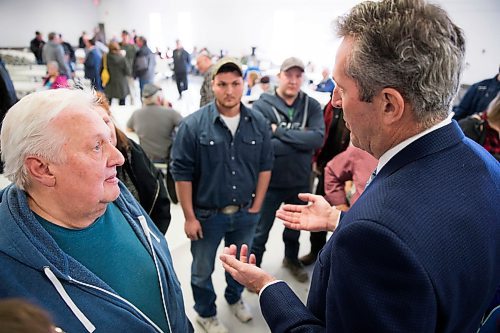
(231, 209)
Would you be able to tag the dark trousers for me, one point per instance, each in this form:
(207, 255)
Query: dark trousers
(318, 239)
(121, 101)
(182, 81)
(274, 198)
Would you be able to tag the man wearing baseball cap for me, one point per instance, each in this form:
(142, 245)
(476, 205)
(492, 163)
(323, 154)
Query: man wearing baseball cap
(221, 162)
(154, 123)
(297, 130)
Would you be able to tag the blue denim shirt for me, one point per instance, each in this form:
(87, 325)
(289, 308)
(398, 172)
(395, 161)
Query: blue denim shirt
(223, 170)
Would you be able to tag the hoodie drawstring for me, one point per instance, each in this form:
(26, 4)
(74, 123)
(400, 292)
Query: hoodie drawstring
(67, 299)
(148, 233)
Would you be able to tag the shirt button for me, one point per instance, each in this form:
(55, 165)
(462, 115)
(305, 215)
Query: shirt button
(233, 172)
(234, 187)
(232, 157)
(211, 143)
(253, 142)
(234, 200)
(232, 143)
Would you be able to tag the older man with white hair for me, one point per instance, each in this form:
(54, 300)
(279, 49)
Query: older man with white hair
(73, 239)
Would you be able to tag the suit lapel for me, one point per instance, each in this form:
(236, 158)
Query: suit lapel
(440, 139)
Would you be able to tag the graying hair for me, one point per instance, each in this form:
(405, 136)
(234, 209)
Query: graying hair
(153, 99)
(409, 45)
(27, 130)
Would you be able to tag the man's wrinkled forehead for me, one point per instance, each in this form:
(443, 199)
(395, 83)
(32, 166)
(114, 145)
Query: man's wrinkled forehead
(79, 123)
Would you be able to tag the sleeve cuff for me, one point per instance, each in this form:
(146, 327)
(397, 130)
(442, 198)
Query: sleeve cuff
(267, 285)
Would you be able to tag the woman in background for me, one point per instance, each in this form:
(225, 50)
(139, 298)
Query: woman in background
(119, 70)
(138, 173)
(54, 79)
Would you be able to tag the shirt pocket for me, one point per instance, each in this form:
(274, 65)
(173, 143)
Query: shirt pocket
(212, 149)
(252, 146)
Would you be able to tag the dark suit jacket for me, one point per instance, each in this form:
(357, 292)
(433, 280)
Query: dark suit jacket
(418, 252)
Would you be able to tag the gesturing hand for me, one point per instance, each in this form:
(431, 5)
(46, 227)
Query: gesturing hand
(244, 270)
(318, 216)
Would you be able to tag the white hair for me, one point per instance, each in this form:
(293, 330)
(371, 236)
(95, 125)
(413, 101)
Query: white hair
(27, 130)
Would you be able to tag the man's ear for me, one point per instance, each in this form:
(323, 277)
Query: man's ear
(393, 105)
(39, 170)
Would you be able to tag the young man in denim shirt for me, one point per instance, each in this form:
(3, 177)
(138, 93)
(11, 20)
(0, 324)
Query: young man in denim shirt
(221, 162)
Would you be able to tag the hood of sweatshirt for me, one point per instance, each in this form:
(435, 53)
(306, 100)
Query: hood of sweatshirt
(24, 239)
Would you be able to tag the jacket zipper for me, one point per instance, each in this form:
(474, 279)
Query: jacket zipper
(118, 297)
(88, 325)
(157, 193)
(148, 234)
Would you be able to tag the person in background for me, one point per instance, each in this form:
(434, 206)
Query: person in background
(138, 173)
(69, 55)
(221, 163)
(119, 70)
(93, 65)
(54, 79)
(155, 124)
(20, 316)
(352, 165)
(82, 39)
(427, 224)
(36, 46)
(336, 141)
(144, 63)
(252, 79)
(264, 86)
(53, 51)
(84, 247)
(193, 57)
(484, 127)
(133, 37)
(130, 52)
(204, 65)
(326, 84)
(8, 96)
(297, 130)
(182, 63)
(477, 97)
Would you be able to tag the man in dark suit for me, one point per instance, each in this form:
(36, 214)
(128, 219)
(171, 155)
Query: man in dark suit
(420, 249)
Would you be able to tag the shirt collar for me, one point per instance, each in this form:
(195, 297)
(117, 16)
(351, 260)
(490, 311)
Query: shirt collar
(214, 113)
(388, 155)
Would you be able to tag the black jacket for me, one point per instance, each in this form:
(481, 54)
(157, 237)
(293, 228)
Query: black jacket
(295, 139)
(149, 183)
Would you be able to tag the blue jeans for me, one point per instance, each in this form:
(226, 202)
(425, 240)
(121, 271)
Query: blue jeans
(238, 229)
(142, 83)
(273, 200)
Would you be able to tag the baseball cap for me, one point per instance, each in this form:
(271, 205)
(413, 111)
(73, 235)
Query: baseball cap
(265, 79)
(149, 90)
(290, 63)
(227, 62)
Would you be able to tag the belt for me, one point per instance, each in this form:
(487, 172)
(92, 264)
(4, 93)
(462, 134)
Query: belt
(230, 209)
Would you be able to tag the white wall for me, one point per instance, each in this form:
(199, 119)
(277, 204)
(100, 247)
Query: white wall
(19, 19)
(278, 28)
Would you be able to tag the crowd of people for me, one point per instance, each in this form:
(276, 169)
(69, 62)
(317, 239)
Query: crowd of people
(409, 193)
